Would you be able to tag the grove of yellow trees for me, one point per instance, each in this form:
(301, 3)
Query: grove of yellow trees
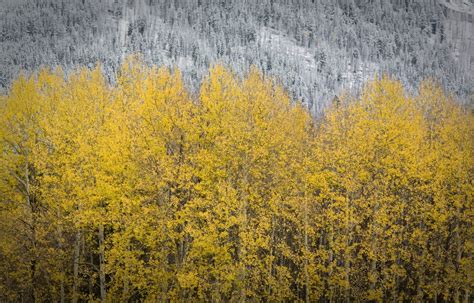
(141, 191)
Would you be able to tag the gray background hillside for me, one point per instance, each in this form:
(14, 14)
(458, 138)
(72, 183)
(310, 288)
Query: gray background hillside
(317, 48)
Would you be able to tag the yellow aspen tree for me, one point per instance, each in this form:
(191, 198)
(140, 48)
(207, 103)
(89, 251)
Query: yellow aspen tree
(149, 172)
(23, 238)
(51, 189)
(24, 140)
(142, 191)
(167, 151)
(275, 144)
(70, 163)
(210, 273)
(370, 146)
(117, 184)
(448, 192)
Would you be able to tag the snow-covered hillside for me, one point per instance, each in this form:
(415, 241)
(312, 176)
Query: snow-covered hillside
(317, 48)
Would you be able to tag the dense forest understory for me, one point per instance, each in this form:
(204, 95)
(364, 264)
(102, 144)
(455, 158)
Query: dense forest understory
(142, 191)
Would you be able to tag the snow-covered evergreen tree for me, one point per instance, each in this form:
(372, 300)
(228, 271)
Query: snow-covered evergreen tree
(318, 48)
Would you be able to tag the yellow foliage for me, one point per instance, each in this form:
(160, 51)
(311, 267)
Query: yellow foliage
(142, 191)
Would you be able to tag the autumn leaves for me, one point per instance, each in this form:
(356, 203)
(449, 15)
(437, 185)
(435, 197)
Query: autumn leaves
(141, 192)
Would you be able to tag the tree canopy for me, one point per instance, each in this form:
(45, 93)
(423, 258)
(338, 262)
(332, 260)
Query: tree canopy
(143, 191)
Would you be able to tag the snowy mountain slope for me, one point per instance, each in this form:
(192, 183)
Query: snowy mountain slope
(317, 48)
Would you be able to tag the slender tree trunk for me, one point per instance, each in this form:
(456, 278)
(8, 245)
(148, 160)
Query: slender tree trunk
(347, 269)
(373, 269)
(330, 260)
(466, 296)
(31, 204)
(306, 250)
(33, 282)
(244, 226)
(103, 290)
(243, 253)
(419, 294)
(62, 293)
(374, 236)
(77, 255)
(91, 277)
(272, 252)
(347, 254)
(60, 235)
(126, 288)
(457, 293)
